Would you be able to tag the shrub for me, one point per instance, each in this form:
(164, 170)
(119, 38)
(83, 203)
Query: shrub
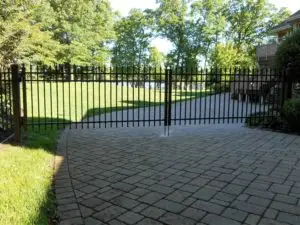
(289, 50)
(260, 119)
(255, 119)
(235, 96)
(291, 114)
(220, 88)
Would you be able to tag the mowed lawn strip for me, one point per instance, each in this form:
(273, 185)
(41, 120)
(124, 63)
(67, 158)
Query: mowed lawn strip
(26, 172)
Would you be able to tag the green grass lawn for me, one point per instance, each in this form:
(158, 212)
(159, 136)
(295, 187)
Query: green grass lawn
(75, 101)
(25, 180)
(26, 172)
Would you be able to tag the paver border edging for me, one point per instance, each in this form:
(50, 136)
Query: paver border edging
(66, 202)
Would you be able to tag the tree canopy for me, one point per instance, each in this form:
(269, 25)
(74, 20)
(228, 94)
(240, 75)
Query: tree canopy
(90, 32)
(56, 31)
(288, 51)
(133, 34)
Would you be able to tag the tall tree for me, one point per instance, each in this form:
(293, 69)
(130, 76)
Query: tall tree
(229, 56)
(156, 58)
(208, 23)
(247, 23)
(83, 27)
(133, 39)
(171, 17)
(250, 20)
(22, 37)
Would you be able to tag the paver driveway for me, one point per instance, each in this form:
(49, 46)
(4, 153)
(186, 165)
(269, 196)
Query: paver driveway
(217, 108)
(198, 175)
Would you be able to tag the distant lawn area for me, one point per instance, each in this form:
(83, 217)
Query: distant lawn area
(26, 172)
(49, 102)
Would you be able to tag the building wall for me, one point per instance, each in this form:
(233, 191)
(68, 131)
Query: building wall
(266, 54)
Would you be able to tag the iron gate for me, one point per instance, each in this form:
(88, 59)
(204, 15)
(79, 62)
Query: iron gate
(100, 97)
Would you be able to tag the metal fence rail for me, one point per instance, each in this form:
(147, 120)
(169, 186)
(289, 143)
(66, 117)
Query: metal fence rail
(96, 97)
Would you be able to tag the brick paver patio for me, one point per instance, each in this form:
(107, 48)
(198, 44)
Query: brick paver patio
(198, 175)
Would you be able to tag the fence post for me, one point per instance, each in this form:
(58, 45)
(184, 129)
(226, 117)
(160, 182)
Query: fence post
(16, 102)
(170, 96)
(168, 100)
(166, 96)
(24, 100)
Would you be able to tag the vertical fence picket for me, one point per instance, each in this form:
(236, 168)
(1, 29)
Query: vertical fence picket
(166, 98)
(229, 97)
(190, 75)
(139, 96)
(149, 92)
(243, 94)
(81, 96)
(43, 84)
(75, 94)
(93, 82)
(200, 99)
(2, 103)
(154, 93)
(175, 97)
(262, 93)
(195, 75)
(160, 93)
(257, 90)
(10, 99)
(122, 94)
(127, 90)
(116, 92)
(105, 110)
(133, 87)
(219, 97)
(16, 102)
(169, 97)
(238, 84)
(185, 95)
(6, 99)
(63, 81)
(69, 80)
(24, 100)
(144, 95)
(99, 95)
(233, 115)
(181, 94)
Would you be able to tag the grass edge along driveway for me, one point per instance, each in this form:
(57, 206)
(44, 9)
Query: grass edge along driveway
(26, 172)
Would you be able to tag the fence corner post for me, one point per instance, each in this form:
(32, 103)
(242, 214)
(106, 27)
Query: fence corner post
(16, 103)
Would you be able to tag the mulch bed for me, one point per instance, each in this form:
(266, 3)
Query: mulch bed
(281, 128)
(4, 134)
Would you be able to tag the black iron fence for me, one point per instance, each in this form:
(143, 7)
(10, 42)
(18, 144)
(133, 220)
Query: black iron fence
(142, 96)
(6, 96)
(100, 97)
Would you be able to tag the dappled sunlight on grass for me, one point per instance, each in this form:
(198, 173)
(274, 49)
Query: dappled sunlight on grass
(26, 179)
(74, 101)
(26, 172)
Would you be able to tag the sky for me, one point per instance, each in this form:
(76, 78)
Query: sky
(124, 6)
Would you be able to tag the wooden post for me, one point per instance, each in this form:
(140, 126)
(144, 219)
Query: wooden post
(16, 103)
